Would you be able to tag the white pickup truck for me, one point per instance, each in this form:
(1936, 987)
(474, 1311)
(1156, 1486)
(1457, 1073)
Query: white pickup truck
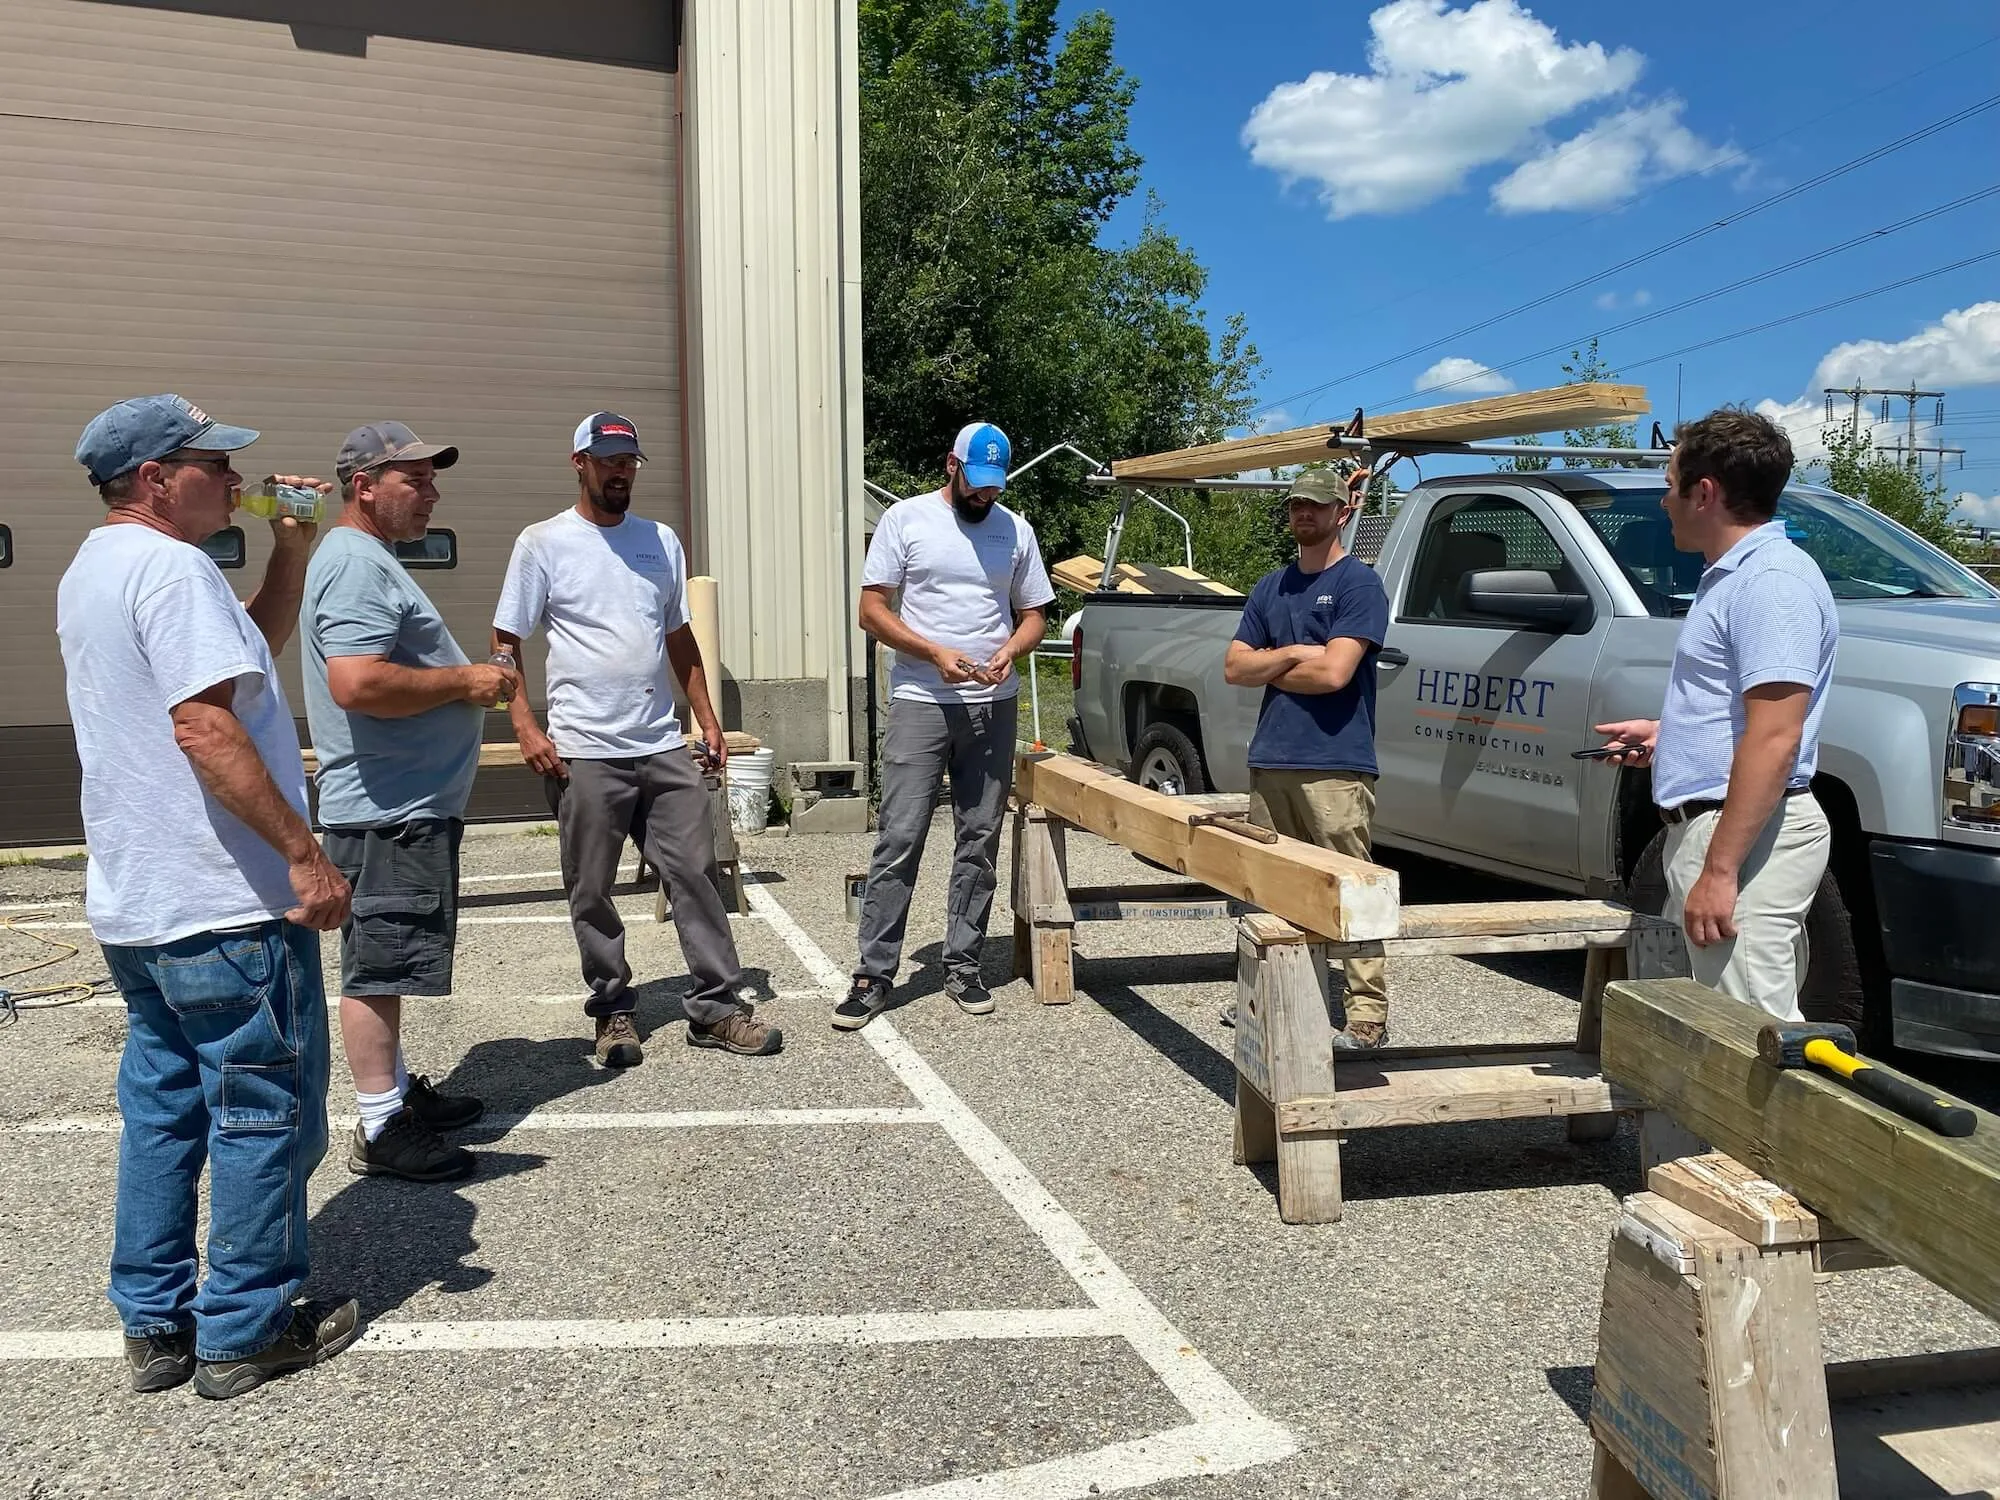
(1524, 608)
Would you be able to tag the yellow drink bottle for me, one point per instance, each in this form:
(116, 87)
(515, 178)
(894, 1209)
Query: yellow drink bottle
(269, 499)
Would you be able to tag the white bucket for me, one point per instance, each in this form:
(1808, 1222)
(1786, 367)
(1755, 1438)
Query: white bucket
(749, 777)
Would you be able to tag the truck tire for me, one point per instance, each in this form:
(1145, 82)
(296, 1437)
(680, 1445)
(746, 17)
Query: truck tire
(1166, 760)
(1832, 991)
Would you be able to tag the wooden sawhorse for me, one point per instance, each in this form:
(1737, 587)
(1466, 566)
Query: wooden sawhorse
(1296, 1099)
(1711, 1383)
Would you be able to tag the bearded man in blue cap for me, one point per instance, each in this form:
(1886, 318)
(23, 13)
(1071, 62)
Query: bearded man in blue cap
(974, 600)
(208, 893)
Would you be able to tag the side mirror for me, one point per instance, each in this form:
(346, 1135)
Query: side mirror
(1525, 596)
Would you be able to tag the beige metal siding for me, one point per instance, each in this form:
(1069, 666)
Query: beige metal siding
(480, 242)
(771, 201)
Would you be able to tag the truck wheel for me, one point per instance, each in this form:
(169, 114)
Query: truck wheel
(1832, 991)
(1166, 760)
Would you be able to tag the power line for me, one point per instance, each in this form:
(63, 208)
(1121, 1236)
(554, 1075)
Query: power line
(1727, 220)
(1710, 296)
(1957, 265)
(1742, 154)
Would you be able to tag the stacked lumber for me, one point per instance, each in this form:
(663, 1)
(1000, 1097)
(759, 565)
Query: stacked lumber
(1338, 897)
(1519, 414)
(1086, 575)
(1931, 1201)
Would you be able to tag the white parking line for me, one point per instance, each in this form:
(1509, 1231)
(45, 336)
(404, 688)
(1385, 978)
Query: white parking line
(1228, 1433)
(547, 1119)
(783, 1331)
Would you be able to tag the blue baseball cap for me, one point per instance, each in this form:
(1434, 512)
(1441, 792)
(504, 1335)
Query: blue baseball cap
(144, 428)
(605, 434)
(983, 451)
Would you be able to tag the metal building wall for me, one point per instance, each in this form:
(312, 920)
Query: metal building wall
(307, 214)
(771, 247)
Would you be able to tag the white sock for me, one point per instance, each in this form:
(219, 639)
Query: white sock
(377, 1110)
(402, 1072)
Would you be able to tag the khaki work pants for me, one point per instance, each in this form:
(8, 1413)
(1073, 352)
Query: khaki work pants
(1333, 810)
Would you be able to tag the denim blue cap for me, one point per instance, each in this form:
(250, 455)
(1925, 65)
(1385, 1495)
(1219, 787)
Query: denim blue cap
(141, 429)
(983, 452)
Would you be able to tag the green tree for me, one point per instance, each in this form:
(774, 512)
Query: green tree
(1895, 487)
(1583, 365)
(993, 152)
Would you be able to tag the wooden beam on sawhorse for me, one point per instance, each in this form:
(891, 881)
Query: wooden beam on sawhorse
(1296, 1099)
(1710, 1382)
(1044, 924)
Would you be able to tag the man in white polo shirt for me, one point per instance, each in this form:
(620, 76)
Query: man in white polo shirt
(1733, 753)
(975, 600)
(612, 590)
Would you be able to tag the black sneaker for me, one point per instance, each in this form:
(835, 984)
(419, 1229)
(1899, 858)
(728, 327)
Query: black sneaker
(863, 1001)
(160, 1361)
(441, 1111)
(410, 1149)
(972, 997)
(318, 1331)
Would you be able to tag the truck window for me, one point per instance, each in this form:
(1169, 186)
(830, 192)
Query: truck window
(1480, 532)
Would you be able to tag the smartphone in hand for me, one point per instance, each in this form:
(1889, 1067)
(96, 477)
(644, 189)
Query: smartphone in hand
(1601, 752)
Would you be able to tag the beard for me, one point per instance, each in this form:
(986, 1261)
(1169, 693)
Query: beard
(615, 496)
(971, 508)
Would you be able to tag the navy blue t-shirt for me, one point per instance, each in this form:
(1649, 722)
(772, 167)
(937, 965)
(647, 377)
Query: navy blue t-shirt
(1317, 731)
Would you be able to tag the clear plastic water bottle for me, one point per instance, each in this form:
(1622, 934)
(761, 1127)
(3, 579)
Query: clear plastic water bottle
(503, 659)
(269, 499)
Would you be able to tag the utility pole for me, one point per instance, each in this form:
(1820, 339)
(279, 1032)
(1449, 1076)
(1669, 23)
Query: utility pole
(1855, 392)
(1911, 454)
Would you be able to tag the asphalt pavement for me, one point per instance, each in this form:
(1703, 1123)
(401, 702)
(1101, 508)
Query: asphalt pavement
(950, 1256)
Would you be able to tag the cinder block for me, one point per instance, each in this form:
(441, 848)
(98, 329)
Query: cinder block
(830, 815)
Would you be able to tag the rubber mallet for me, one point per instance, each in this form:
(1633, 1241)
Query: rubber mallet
(1799, 1044)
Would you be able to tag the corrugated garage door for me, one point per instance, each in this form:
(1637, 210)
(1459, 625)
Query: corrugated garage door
(305, 229)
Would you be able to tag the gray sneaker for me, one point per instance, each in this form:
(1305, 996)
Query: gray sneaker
(972, 997)
(318, 1331)
(160, 1361)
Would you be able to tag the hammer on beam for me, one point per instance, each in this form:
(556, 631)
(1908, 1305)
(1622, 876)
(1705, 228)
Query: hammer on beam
(1792, 1044)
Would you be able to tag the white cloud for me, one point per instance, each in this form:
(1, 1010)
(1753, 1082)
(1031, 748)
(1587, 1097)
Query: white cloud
(1449, 91)
(1609, 301)
(1962, 348)
(1979, 510)
(1466, 377)
(1609, 162)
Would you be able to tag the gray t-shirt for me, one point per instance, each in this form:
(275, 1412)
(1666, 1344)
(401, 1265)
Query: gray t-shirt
(373, 772)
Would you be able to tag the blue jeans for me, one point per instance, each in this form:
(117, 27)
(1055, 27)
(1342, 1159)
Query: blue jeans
(225, 1063)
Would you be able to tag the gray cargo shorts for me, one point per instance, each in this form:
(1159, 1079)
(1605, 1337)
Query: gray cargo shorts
(399, 936)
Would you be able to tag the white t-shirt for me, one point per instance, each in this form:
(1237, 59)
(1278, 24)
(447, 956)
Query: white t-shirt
(609, 595)
(963, 587)
(147, 622)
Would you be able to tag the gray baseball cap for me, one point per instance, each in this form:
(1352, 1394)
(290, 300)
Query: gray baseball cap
(381, 443)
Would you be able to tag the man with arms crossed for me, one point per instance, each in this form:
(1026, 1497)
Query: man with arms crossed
(396, 712)
(975, 600)
(1309, 637)
(208, 895)
(1734, 750)
(612, 589)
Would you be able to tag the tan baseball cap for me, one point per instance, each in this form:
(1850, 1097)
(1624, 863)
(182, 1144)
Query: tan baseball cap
(1322, 487)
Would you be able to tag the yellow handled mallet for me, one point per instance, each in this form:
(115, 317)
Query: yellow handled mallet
(1799, 1044)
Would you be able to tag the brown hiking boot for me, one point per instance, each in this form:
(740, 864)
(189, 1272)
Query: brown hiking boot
(1361, 1036)
(618, 1041)
(740, 1032)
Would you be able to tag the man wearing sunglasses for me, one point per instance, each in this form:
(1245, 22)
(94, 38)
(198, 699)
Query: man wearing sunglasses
(611, 588)
(208, 895)
(397, 713)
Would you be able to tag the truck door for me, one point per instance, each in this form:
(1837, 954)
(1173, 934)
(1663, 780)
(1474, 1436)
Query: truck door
(1476, 717)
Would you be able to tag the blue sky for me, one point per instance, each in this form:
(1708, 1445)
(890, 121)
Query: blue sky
(1362, 180)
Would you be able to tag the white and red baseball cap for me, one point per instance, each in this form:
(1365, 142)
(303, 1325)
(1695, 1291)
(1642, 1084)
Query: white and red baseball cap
(604, 434)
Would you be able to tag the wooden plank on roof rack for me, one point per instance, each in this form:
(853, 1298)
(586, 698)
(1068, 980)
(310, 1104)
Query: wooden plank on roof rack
(1520, 414)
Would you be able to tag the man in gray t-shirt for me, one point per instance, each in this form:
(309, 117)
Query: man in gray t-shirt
(396, 713)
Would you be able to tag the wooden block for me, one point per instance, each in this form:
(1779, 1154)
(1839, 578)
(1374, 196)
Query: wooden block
(1648, 1407)
(1042, 862)
(1347, 899)
(1256, 1127)
(1724, 1191)
(1299, 1044)
(1524, 1085)
(1766, 1376)
(1931, 1201)
(1518, 414)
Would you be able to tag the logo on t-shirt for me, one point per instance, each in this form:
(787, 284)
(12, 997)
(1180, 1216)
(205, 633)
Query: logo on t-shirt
(1324, 599)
